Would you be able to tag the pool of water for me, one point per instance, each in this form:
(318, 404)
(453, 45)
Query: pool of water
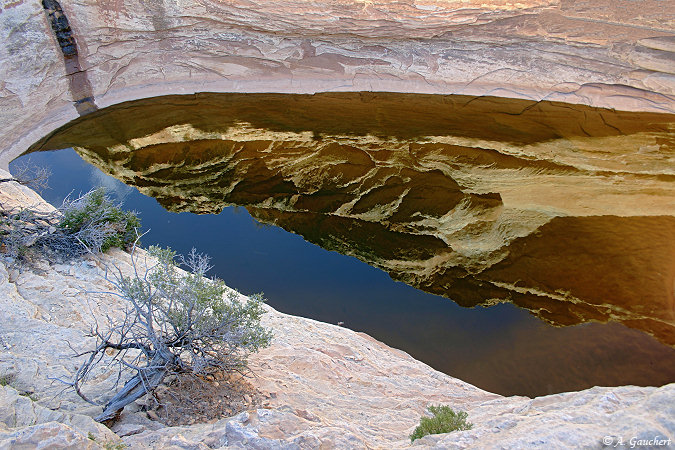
(191, 185)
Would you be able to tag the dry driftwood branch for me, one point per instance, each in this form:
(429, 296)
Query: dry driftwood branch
(31, 175)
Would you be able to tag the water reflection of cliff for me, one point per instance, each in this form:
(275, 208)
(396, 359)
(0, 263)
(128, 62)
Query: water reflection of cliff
(564, 210)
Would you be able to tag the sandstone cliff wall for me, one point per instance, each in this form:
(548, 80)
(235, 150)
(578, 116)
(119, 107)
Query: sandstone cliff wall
(61, 60)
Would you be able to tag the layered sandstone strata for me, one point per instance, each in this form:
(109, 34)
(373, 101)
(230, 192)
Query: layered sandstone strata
(69, 58)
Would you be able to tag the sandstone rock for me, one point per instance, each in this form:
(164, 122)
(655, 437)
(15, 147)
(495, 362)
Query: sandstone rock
(533, 49)
(13, 195)
(27, 424)
(18, 411)
(128, 429)
(661, 81)
(52, 435)
(655, 60)
(579, 419)
(665, 43)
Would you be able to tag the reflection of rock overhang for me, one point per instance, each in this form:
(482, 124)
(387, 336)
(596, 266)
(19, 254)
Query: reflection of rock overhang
(564, 210)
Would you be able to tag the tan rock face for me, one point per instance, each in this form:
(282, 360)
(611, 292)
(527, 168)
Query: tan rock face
(565, 211)
(595, 53)
(30, 425)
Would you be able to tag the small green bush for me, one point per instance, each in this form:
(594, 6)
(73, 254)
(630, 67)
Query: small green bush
(90, 223)
(177, 322)
(207, 322)
(31, 395)
(444, 420)
(6, 380)
(96, 211)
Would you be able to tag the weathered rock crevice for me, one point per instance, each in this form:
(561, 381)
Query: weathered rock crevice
(80, 87)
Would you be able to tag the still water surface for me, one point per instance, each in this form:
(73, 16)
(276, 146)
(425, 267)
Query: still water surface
(501, 348)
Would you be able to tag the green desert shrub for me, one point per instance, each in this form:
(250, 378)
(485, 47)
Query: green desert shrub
(443, 420)
(89, 223)
(6, 380)
(177, 321)
(96, 211)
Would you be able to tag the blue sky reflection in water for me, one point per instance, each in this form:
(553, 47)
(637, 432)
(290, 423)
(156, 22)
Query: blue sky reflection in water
(501, 349)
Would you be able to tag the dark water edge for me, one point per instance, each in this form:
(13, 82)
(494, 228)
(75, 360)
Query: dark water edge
(501, 349)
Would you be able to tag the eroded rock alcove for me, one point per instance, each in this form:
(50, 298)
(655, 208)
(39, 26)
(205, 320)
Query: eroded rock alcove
(63, 59)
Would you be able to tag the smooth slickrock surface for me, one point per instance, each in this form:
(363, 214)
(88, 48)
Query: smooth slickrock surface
(600, 53)
(322, 385)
